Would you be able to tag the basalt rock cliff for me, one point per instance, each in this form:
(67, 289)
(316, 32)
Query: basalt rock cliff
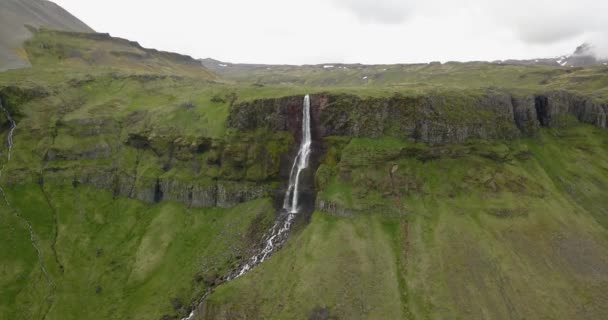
(432, 119)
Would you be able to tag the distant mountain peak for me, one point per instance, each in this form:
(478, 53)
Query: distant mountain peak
(583, 56)
(585, 49)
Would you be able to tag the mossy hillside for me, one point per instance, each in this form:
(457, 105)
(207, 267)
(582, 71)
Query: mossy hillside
(98, 137)
(89, 134)
(376, 168)
(461, 231)
(68, 50)
(116, 258)
(338, 263)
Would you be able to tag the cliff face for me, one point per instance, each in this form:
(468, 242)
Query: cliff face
(254, 162)
(443, 122)
(196, 172)
(433, 119)
(553, 107)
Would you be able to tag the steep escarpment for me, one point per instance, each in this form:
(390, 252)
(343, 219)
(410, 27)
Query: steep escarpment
(553, 108)
(424, 128)
(435, 118)
(129, 159)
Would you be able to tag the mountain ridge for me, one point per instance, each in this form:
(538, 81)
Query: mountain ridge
(16, 15)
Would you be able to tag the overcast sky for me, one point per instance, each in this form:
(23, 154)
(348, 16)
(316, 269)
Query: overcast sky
(350, 31)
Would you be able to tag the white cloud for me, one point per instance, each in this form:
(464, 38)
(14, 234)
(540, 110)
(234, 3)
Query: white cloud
(366, 31)
(551, 21)
(379, 11)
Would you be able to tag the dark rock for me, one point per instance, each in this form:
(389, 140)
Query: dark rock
(333, 208)
(187, 105)
(319, 313)
(158, 192)
(434, 118)
(176, 303)
(138, 141)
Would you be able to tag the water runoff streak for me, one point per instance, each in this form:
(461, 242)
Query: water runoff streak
(277, 235)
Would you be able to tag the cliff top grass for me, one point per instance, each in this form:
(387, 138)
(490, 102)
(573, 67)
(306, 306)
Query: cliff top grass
(416, 78)
(67, 58)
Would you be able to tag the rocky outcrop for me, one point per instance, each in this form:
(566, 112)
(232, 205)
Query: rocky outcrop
(196, 193)
(333, 208)
(151, 167)
(434, 118)
(95, 151)
(554, 107)
(524, 115)
(280, 114)
(212, 193)
(86, 127)
(14, 96)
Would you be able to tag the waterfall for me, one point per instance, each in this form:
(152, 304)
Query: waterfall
(300, 162)
(9, 142)
(277, 235)
(278, 232)
(9, 137)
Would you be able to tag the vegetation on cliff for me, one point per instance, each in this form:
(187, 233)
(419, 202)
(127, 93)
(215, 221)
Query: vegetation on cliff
(441, 191)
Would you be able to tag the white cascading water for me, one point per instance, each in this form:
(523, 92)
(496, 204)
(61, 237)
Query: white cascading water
(9, 138)
(279, 231)
(9, 142)
(300, 162)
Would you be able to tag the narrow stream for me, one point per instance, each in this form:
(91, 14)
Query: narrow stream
(30, 228)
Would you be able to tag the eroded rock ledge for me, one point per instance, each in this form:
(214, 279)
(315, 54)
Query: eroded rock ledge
(435, 118)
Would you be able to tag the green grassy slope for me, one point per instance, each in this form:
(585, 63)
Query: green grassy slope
(486, 229)
(90, 253)
(504, 231)
(113, 258)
